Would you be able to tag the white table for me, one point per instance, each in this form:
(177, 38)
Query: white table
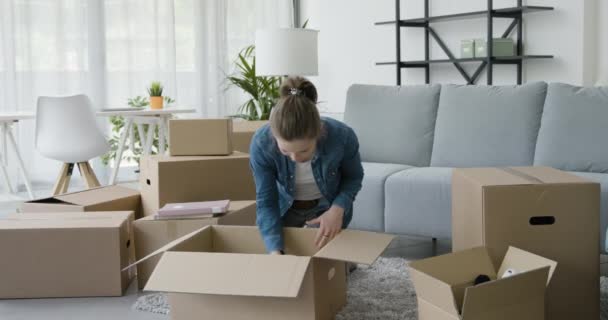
(138, 117)
(6, 123)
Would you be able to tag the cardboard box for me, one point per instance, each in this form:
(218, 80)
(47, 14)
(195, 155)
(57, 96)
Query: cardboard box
(243, 132)
(71, 254)
(109, 198)
(223, 272)
(200, 137)
(541, 210)
(151, 234)
(445, 286)
(165, 179)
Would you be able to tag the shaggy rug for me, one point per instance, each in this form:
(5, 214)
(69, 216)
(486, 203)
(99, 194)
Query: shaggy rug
(381, 291)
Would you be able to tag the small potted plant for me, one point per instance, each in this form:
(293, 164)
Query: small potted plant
(156, 95)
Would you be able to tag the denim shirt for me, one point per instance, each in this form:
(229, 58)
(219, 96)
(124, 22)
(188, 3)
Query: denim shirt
(336, 167)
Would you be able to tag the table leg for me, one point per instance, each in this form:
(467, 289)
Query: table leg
(161, 136)
(150, 138)
(4, 161)
(24, 174)
(121, 147)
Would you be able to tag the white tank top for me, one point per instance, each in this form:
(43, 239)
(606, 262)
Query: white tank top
(306, 186)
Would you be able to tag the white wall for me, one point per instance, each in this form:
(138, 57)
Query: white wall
(350, 43)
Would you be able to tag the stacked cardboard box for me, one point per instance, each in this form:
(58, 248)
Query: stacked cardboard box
(110, 198)
(65, 254)
(200, 137)
(541, 210)
(243, 131)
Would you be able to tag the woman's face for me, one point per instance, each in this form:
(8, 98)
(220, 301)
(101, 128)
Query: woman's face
(300, 150)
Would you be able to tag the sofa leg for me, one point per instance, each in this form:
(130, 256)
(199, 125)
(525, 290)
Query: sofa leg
(434, 248)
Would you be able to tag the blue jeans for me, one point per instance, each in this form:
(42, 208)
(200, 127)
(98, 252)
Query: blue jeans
(297, 217)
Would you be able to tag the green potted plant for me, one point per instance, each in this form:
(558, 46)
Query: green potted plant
(156, 95)
(118, 124)
(263, 91)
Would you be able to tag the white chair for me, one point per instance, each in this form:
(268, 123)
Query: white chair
(66, 131)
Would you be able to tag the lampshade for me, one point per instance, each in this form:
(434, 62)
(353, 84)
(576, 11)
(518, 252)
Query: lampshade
(283, 52)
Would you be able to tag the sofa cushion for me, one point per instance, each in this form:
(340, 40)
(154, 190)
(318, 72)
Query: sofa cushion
(574, 129)
(602, 179)
(368, 208)
(393, 124)
(487, 125)
(419, 202)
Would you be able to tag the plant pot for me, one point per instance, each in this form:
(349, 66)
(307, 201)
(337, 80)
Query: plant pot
(156, 102)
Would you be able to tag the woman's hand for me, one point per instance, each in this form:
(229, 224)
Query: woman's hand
(330, 224)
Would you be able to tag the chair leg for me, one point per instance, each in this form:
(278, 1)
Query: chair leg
(68, 177)
(63, 181)
(88, 175)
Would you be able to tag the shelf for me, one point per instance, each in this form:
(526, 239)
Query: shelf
(496, 60)
(504, 12)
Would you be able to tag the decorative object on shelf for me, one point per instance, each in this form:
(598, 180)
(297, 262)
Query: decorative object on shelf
(516, 13)
(467, 48)
(156, 95)
(118, 124)
(501, 48)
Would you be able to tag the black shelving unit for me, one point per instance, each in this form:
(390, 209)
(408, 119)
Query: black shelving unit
(487, 63)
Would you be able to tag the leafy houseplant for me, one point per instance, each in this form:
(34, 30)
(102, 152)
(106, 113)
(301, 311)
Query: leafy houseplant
(264, 91)
(156, 95)
(118, 124)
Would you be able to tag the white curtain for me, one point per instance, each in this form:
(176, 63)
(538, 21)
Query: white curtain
(112, 49)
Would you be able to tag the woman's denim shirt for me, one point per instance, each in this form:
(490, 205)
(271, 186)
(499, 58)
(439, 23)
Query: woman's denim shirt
(336, 167)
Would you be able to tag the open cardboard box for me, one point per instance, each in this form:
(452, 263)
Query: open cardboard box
(223, 272)
(242, 133)
(151, 234)
(444, 286)
(108, 198)
(74, 254)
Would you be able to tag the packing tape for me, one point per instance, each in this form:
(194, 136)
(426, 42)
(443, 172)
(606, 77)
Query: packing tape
(521, 174)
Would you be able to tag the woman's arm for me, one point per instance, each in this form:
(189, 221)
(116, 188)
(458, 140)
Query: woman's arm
(352, 172)
(268, 217)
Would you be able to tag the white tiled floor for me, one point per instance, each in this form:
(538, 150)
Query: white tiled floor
(119, 308)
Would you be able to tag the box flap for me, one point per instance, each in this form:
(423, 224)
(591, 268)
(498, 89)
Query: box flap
(523, 261)
(435, 292)
(490, 297)
(458, 267)
(355, 246)
(167, 247)
(97, 195)
(229, 274)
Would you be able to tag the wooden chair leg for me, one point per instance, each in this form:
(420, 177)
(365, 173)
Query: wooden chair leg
(68, 177)
(63, 181)
(59, 183)
(92, 175)
(88, 175)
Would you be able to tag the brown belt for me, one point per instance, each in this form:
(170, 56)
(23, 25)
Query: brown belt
(304, 204)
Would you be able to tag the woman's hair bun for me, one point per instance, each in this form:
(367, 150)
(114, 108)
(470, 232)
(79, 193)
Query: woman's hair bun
(299, 87)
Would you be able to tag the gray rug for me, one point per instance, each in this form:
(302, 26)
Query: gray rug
(381, 291)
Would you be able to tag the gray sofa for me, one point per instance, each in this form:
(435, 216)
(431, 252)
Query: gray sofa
(412, 136)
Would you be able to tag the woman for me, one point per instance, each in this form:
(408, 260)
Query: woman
(307, 169)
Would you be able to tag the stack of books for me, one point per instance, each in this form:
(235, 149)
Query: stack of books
(193, 210)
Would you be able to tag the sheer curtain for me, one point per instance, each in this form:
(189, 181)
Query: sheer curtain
(112, 49)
